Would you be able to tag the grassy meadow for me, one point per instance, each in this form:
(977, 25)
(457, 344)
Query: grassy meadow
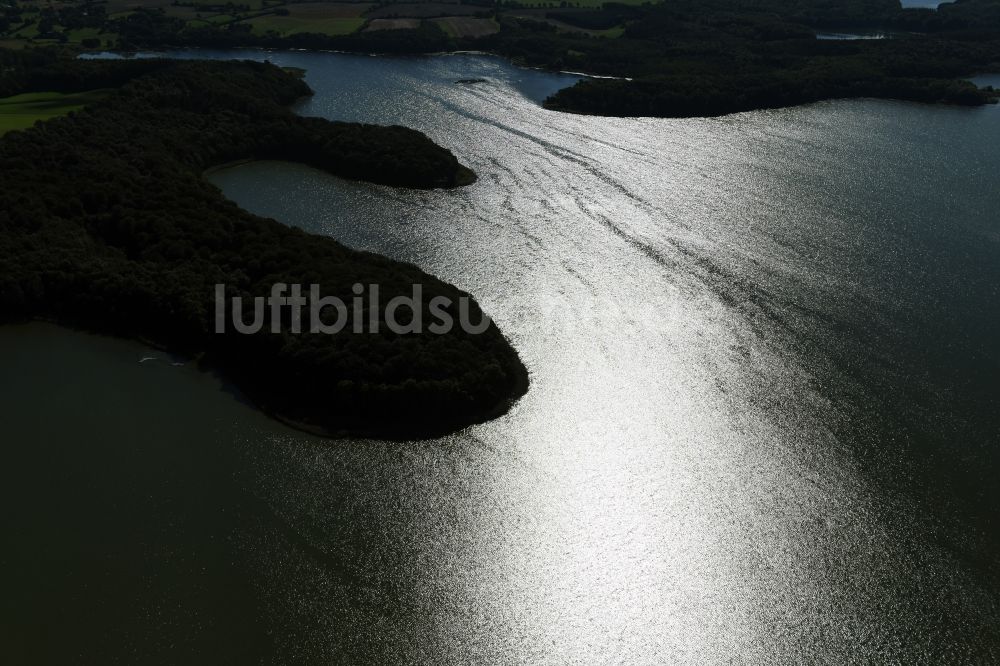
(22, 111)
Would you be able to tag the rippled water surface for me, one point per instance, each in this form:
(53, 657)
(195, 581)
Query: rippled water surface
(762, 424)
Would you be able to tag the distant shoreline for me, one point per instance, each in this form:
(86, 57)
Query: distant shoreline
(590, 95)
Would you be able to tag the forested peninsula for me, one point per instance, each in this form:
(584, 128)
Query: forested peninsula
(107, 224)
(695, 58)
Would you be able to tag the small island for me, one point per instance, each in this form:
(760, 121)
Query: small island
(107, 224)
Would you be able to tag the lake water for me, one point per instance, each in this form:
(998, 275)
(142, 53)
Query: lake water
(762, 425)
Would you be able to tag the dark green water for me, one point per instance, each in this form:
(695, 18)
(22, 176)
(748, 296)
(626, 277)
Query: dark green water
(763, 421)
(118, 523)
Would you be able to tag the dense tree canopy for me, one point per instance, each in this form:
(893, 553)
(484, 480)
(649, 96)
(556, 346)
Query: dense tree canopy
(704, 58)
(107, 223)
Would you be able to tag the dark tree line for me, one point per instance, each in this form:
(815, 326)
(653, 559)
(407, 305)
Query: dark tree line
(712, 57)
(107, 223)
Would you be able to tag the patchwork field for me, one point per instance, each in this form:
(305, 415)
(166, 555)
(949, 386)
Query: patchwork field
(290, 25)
(116, 6)
(393, 24)
(26, 32)
(77, 36)
(424, 10)
(548, 16)
(467, 26)
(269, 17)
(324, 10)
(22, 111)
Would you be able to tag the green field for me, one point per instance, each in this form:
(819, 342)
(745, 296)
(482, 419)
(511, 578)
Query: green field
(220, 19)
(26, 32)
(22, 111)
(290, 25)
(77, 36)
